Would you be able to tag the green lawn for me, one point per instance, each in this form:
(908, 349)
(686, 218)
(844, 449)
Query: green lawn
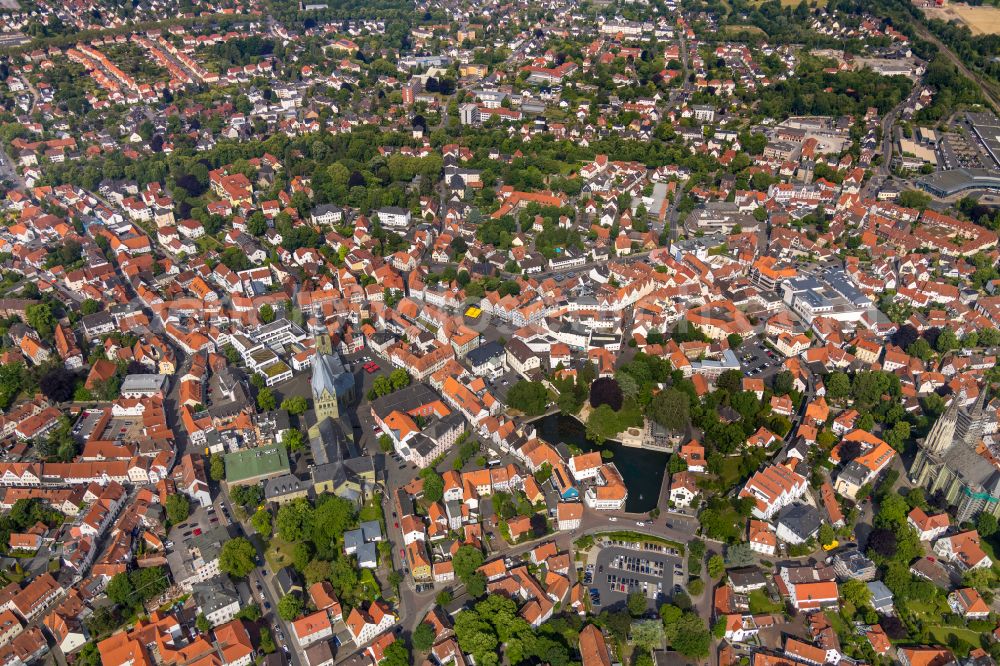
(628, 535)
(736, 29)
(990, 544)
(730, 472)
(279, 553)
(761, 603)
(929, 609)
(205, 243)
(941, 634)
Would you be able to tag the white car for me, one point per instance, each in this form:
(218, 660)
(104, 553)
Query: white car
(639, 523)
(613, 519)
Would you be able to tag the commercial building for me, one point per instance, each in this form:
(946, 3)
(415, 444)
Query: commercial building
(251, 466)
(949, 183)
(833, 296)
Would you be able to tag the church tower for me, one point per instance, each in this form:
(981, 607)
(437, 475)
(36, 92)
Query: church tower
(942, 433)
(332, 383)
(324, 388)
(969, 428)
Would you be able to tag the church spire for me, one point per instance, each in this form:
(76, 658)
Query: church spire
(942, 433)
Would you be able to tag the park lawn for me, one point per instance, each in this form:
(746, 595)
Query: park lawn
(940, 635)
(279, 553)
(761, 603)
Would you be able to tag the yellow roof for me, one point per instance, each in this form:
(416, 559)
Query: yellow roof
(473, 312)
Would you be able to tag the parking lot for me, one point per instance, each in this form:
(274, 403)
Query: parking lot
(758, 360)
(502, 384)
(622, 570)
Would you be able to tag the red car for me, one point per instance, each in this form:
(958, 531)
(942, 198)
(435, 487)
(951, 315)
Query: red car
(402, 553)
(371, 367)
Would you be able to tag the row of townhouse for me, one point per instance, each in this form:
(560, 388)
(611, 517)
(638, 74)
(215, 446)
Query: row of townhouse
(139, 470)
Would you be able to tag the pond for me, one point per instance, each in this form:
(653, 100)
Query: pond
(641, 469)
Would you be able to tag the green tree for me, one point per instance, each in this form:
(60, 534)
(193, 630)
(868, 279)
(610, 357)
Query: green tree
(921, 349)
(249, 613)
(914, 199)
(670, 408)
(332, 517)
(261, 522)
(396, 655)
(466, 560)
(88, 655)
(294, 440)
(40, 318)
(121, 591)
(433, 485)
(266, 313)
(257, 225)
(730, 380)
(983, 580)
(237, 557)
(290, 607)
(528, 397)
(267, 645)
(826, 535)
(295, 521)
(399, 379)
(739, 555)
(423, 637)
(295, 405)
(648, 634)
(691, 637)
(475, 585)
(217, 468)
(892, 511)
(716, 566)
(178, 508)
(838, 385)
(385, 443)
(636, 603)
(947, 341)
(475, 635)
(783, 382)
(202, 623)
(265, 399)
(986, 524)
(11, 382)
(856, 592)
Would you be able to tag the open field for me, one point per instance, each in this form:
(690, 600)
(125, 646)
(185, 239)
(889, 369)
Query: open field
(737, 29)
(983, 20)
(795, 3)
